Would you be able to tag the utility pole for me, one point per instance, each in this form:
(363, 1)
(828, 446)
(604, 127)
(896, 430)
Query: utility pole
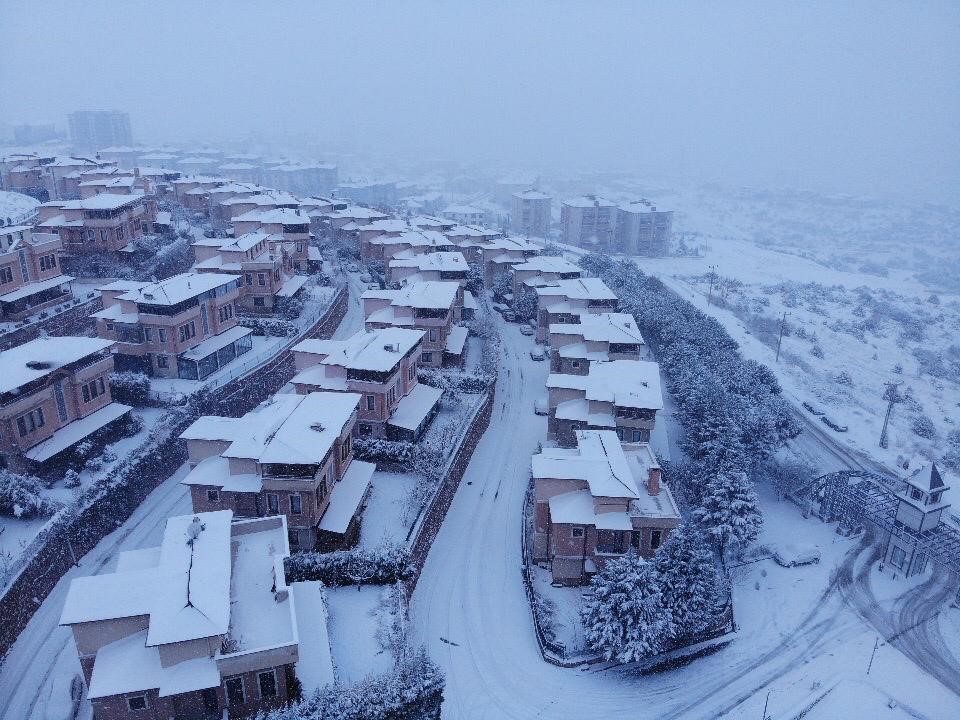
(893, 396)
(876, 644)
(765, 704)
(783, 324)
(713, 274)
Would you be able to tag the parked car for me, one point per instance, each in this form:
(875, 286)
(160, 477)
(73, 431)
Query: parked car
(365, 278)
(794, 554)
(500, 308)
(509, 316)
(537, 354)
(541, 406)
(526, 329)
(373, 286)
(812, 408)
(833, 425)
(352, 267)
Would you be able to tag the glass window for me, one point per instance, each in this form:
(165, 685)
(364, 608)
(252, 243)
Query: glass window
(234, 687)
(273, 503)
(371, 402)
(162, 334)
(162, 361)
(213, 496)
(576, 532)
(296, 505)
(897, 557)
(137, 702)
(656, 539)
(268, 684)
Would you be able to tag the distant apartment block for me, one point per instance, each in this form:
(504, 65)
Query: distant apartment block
(34, 134)
(381, 366)
(203, 626)
(530, 213)
(54, 393)
(431, 306)
(597, 501)
(91, 130)
(30, 274)
(588, 221)
(291, 456)
(619, 395)
(182, 327)
(643, 230)
(464, 214)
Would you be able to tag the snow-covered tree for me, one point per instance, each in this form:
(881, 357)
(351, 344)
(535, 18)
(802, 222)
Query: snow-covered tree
(525, 304)
(730, 514)
(691, 587)
(623, 615)
(502, 285)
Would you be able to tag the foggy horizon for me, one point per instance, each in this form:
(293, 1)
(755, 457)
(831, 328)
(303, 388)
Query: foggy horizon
(858, 98)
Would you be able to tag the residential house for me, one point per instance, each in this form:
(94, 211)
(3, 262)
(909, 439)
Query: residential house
(431, 306)
(594, 338)
(563, 301)
(620, 395)
(54, 393)
(464, 214)
(410, 266)
(289, 229)
(387, 245)
(381, 365)
(181, 327)
(542, 270)
(30, 274)
(103, 223)
(596, 501)
(291, 456)
(500, 254)
(204, 626)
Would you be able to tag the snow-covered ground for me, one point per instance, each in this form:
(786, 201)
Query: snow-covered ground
(798, 636)
(390, 509)
(357, 615)
(17, 208)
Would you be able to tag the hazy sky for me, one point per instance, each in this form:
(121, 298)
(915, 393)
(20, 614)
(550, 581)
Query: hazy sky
(859, 97)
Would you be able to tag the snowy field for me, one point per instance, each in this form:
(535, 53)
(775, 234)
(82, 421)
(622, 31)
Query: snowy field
(391, 508)
(358, 616)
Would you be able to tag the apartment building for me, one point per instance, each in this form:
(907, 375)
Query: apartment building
(596, 501)
(30, 274)
(542, 270)
(589, 222)
(203, 626)
(302, 178)
(594, 338)
(103, 223)
(54, 393)
(431, 306)
(381, 366)
(464, 214)
(530, 213)
(409, 266)
(643, 230)
(619, 395)
(182, 327)
(61, 177)
(563, 301)
(91, 130)
(266, 282)
(291, 456)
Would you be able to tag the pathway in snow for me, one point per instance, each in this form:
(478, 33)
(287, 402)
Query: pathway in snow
(471, 611)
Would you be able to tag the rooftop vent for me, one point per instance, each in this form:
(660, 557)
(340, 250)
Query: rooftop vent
(39, 365)
(391, 347)
(317, 427)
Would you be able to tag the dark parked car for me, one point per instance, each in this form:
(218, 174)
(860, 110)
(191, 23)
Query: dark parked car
(833, 425)
(811, 408)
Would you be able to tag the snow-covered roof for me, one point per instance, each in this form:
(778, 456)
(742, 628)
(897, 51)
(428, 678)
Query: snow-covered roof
(177, 288)
(284, 216)
(387, 225)
(461, 210)
(73, 432)
(577, 289)
(456, 340)
(531, 195)
(414, 407)
(216, 342)
(547, 264)
(347, 496)
(34, 287)
(423, 294)
(373, 350)
(602, 327)
(446, 261)
(414, 238)
(625, 383)
(103, 201)
(38, 358)
(588, 201)
(927, 477)
(577, 508)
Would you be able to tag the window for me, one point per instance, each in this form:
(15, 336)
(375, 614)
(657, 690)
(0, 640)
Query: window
(656, 539)
(148, 334)
(91, 236)
(48, 262)
(392, 395)
(935, 498)
(258, 301)
(261, 279)
(897, 557)
(365, 429)
(296, 505)
(137, 702)
(433, 334)
(92, 389)
(426, 357)
(299, 247)
(187, 331)
(267, 681)
(234, 687)
(916, 494)
(321, 490)
(225, 312)
(371, 402)
(412, 371)
(345, 448)
(162, 361)
(249, 277)
(575, 364)
(576, 532)
(162, 336)
(213, 496)
(6, 275)
(609, 541)
(119, 232)
(22, 426)
(273, 504)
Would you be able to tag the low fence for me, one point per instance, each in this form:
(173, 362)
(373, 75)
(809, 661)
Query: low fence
(75, 320)
(74, 534)
(425, 531)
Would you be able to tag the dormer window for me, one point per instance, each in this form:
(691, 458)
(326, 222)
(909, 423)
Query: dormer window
(935, 498)
(916, 494)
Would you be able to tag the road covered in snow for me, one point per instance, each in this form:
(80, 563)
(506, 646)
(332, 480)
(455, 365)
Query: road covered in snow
(798, 637)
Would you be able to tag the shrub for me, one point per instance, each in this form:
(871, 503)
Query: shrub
(130, 387)
(923, 427)
(816, 351)
(71, 478)
(374, 566)
(21, 496)
(844, 378)
(380, 450)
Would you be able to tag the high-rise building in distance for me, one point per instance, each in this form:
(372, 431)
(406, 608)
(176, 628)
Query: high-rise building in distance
(92, 130)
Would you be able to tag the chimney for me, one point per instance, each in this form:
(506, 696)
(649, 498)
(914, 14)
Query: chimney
(653, 482)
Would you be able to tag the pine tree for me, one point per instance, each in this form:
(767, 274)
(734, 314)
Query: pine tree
(730, 514)
(623, 615)
(691, 587)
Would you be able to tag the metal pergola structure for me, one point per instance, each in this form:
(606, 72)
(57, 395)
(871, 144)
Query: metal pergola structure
(855, 496)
